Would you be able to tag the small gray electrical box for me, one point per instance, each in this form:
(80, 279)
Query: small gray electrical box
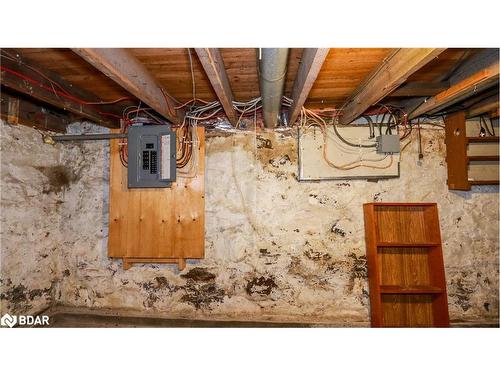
(388, 144)
(151, 156)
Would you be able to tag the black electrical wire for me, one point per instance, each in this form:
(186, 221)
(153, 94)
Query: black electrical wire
(389, 127)
(381, 123)
(490, 132)
(370, 124)
(420, 153)
(349, 143)
(492, 127)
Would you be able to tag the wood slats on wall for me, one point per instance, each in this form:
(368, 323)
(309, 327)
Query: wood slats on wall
(156, 224)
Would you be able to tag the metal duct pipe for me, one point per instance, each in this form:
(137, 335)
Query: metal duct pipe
(272, 72)
(87, 137)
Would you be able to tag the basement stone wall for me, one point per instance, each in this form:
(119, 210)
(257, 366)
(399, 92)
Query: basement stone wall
(33, 183)
(276, 249)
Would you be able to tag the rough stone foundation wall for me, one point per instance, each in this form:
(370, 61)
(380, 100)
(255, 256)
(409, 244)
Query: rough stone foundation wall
(276, 249)
(33, 182)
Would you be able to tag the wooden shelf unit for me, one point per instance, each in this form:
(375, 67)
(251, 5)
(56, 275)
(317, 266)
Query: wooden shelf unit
(405, 265)
(462, 166)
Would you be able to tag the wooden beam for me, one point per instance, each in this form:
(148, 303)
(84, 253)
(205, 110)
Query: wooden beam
(461, 90)
(17, 76)
(310, 65)
(389, 75)
(485, 106)
(213, 64)
(481, 59)
(420, 89)
(18, 111)
(124, 68)
(479, 97)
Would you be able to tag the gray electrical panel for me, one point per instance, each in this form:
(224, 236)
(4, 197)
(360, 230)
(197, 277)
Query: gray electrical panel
(388, 143)
(151, 156)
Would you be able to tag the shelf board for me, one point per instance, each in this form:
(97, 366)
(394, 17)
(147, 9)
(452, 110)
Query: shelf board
(408, 244)
(411, 289)
(483, 158)
(482, 139)
(379, 204)
(484, 182)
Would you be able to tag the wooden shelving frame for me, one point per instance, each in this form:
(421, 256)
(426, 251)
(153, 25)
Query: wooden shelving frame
(405, 265)
(458, 160)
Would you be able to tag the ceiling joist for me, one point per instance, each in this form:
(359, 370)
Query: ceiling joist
(393, 72)
(18, 76)
(310, 65)
(15, 110)
(461, 90)
(488, 105)
(123, 68)
(212, 63)
(411, 89)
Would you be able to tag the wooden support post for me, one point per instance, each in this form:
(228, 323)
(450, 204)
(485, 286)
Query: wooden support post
(212, 63)
(123, 68)
(310, 65)
(13, 111)
(126, 264)
(456, 151)
(393, 72)
(181, 264)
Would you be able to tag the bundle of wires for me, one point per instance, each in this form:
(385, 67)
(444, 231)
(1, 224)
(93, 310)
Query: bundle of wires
(309, 118)
(247, 108)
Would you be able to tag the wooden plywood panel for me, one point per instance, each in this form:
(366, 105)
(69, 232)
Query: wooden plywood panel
(404, 224)
(151, 225)
(404, 266)
(399, 310)
(189, 212)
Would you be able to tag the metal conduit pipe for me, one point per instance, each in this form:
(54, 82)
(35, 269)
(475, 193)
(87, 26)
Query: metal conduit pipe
(272, 72)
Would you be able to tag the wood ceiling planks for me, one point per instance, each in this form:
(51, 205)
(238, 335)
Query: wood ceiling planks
(242, 71)
(74, 70)
(171, 67)
(343, 70)
(440, 68)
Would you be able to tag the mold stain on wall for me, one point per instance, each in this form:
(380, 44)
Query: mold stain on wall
(276, 249)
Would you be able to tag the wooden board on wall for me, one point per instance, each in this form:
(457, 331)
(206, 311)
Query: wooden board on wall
(156, 225)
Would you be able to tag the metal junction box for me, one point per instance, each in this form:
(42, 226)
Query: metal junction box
(388, 144)
(151, 156)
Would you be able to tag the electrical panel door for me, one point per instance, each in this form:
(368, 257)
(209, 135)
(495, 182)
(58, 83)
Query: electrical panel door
(151, 156)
